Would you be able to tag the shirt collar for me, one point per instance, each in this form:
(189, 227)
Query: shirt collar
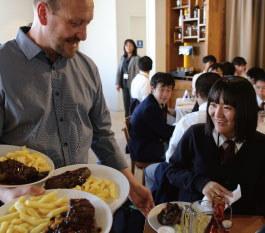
(143, 73)
(203, 107)
(160, 105)
(259, 100)
(220, 140)
(27, 46)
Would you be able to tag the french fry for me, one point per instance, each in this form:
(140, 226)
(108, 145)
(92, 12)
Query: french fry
(32, 212)
(10, 229)
(36, 204)
(39, 228)
(9, 217)
(57, 211)
(47, 198)
(20, 228)
(112, 191)
(4, 227)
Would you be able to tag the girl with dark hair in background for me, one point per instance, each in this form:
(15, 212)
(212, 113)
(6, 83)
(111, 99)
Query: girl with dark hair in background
(127, 70)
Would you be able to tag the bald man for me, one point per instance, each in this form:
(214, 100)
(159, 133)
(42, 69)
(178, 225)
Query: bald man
(51, 95)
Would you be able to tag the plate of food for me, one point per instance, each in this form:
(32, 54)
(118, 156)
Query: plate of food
(22, 166)
(167, 214)
(105, 182)
(62, 209)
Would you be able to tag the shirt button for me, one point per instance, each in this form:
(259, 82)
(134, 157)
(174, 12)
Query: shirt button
(65, 144)
(61, 119)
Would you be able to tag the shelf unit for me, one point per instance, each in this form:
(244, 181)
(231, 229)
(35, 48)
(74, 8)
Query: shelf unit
(205, 38)
(192, 27)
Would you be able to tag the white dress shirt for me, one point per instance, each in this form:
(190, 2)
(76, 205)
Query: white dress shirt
(194, 79)
(181, 127)
(140, 87)
(220, 141)
(260, 101)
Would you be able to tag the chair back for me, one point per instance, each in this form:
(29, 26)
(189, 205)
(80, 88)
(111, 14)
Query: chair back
(134, 163)
(127, 122)
(126, 129)
(133, 104)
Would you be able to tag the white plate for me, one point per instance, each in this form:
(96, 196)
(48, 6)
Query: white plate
(152, 216)
(104, 172)
(103, 212)
(4, 149)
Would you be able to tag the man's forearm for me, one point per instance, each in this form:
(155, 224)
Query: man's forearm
(127, 172)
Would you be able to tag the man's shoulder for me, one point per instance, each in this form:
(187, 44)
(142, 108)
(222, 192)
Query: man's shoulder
(7, 47)
(84, 62)
(82, 57)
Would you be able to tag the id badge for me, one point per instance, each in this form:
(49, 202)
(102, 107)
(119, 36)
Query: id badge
(125, 76)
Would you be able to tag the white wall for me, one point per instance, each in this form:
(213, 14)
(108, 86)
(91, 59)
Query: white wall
(156, 34)
(13, 14)
(114, 21)
(125, 10)
(101, 46)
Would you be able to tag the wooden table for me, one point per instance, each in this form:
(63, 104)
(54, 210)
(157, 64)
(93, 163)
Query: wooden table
(241, 224)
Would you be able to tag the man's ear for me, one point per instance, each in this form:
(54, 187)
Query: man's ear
(42, 11)
(152, 89)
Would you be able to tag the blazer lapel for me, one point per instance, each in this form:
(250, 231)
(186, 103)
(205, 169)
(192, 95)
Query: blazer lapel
(130, 63)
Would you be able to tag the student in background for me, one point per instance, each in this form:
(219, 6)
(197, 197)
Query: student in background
(228, 68)
(149, 131)
(203, 86)
(207, 61)
(240, 66)
(252, 74)
(216, 68)
(140, 87)
(127, 70)
(260, 90)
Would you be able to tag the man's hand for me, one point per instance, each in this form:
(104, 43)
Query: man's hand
(7, 195)
(139, 195)
(212, 189)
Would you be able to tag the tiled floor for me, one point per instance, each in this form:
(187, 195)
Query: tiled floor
(117, 119)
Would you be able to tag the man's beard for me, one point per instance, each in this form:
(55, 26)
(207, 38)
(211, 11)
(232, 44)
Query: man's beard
(60, 49)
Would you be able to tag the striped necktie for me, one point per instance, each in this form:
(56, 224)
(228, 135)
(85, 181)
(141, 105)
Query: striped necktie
(229, 152)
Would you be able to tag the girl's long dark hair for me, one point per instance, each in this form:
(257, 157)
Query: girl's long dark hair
(239, 93)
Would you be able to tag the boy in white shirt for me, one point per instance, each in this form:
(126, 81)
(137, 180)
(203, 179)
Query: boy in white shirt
(140, 87)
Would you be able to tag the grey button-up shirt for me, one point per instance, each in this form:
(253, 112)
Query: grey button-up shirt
(58, 109)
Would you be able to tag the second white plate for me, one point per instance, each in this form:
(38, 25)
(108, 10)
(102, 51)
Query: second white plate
(104, 172)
